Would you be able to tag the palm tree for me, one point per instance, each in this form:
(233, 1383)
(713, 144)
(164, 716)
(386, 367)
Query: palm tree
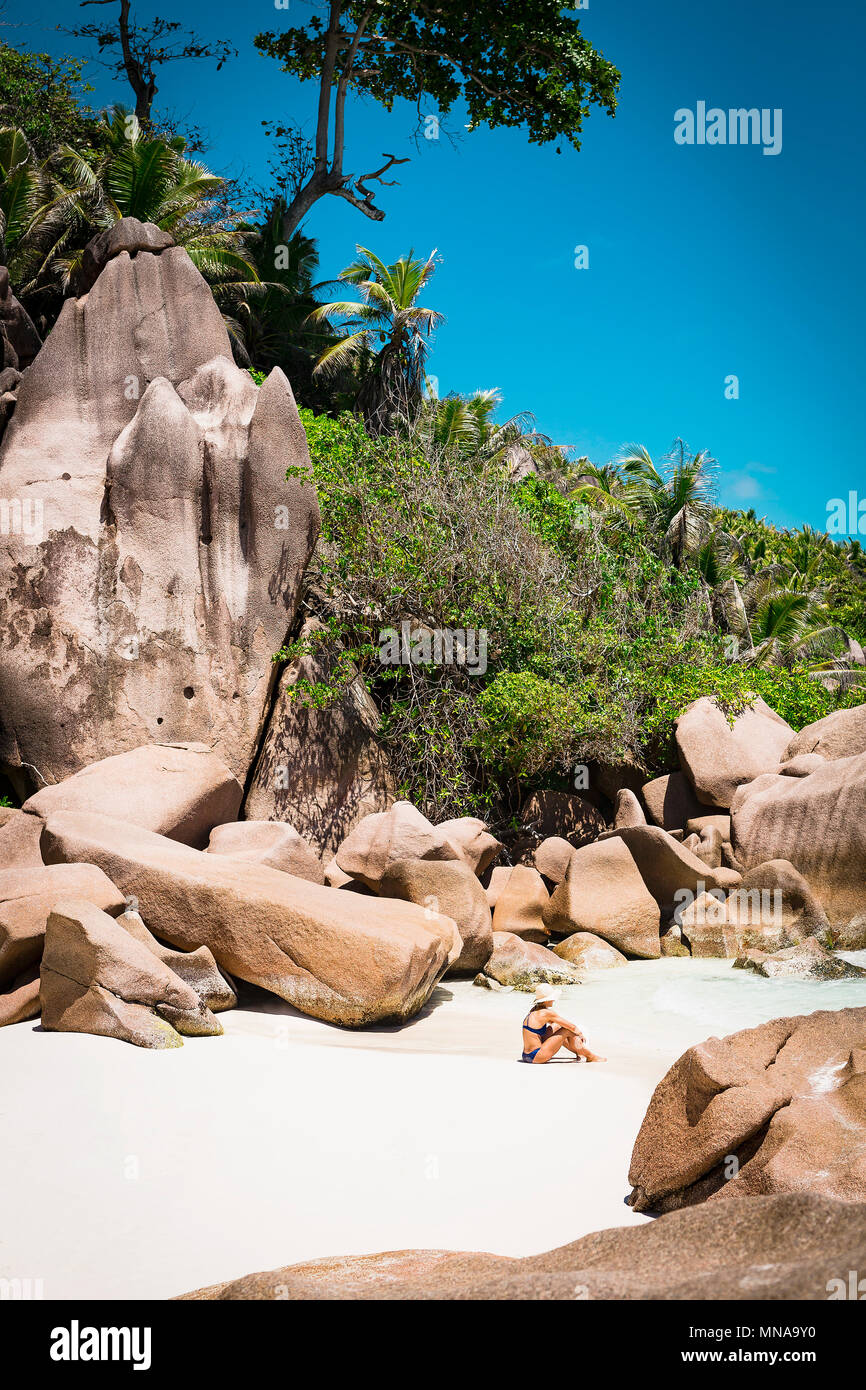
(270, 325)
(603, 488)
(52, 208)
(782, 624)
(388, 332)
(132, 174)
(719, 559)
(805, 551)
(30, 207)
(676, 500)
(466, 425)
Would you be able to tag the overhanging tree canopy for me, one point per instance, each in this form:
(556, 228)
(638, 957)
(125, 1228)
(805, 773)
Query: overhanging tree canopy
(515, 63)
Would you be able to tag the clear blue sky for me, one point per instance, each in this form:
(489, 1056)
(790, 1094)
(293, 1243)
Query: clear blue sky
(704, 261)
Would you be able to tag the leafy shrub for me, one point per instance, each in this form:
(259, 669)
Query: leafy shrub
(595, 643)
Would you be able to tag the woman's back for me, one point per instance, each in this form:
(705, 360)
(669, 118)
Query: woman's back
(534, 1031)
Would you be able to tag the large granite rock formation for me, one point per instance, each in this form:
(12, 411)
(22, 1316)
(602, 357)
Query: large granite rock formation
(322, 769)
(178, 790)
(574, 817)
(384, 838)
(18, 335)
(197, 968)
(668, 868)
(157, 566)
(338, 956)
(773, 908)
(841, 734)
(588, 952)
(19, 839)
(29, 892)
(604, 893)
(521, 904)
(718, 756)
(771, 1248)
(270, 842)
(671, 801)
(808, 960)
(818, 823)
(524, 965)
(97, 978)
(778, 1108)
(448, 887)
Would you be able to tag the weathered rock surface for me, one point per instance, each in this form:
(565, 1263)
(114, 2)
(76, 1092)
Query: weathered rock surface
(487, 982)
(800, 766)
(473, 841)
(772, 908)
(672, 943)
(380, 840)
(818, 823)
(97, 978)
(778, 1108)
(338, 956)
(16, 326)
(322, 770)
(498, 879)
(27, 895)
(808, 960)
(335, 878)
(841, 734)
(628, 810)
(133, 425)
(270, 842)
(178, 790)
(19, 839)
(197, 968)
(129, 235)
(607, 779)
(671, 801)
(718, 758)
(451, 889)
(589, 952)
(524, 965)
(709, 847)
(21, 1000)
(667, 868)
(697, 825)
(789, 1247)
(521, 904)
(603, 893)
(552, 858)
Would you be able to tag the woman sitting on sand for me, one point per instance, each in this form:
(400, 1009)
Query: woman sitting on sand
(545, 1032)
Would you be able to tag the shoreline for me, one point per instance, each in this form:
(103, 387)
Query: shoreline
(146, 1174)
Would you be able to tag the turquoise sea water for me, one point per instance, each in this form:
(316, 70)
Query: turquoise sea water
(661, 1004)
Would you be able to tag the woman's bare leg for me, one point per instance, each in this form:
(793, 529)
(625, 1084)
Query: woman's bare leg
(569, 1041)
(549, 1048)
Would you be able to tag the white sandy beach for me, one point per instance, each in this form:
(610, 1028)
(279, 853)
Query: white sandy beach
(134, 1174)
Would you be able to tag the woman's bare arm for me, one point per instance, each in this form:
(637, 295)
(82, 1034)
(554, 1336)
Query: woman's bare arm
(558, 1021)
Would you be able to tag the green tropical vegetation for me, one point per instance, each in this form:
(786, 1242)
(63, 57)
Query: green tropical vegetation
(388, 330)
(601, 620)
(525, 66)
(609, 595)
